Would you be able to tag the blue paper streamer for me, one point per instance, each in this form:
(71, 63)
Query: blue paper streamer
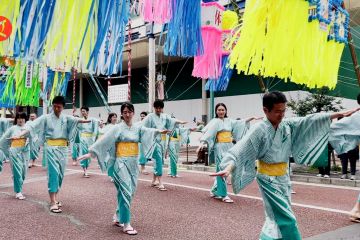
(221, 84)
(184, 30)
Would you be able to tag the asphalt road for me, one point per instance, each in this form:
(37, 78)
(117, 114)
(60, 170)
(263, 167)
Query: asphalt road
(185, 211)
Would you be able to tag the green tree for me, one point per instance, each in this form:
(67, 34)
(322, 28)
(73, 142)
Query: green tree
(316, 102)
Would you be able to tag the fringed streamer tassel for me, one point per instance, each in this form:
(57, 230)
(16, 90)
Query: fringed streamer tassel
(221, 84)
(184, 30)
(277, 40)
(34, 23)
(11, 10)
(27, 96)
(158, 11)
(9, 92)
(7, 89)
(106, 57)
(208, 65)
(65, 34)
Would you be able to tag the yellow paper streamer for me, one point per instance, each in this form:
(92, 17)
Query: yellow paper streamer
(277, 40)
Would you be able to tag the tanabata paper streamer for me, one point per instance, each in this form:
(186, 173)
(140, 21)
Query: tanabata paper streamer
(208, 65)
(106, 57)
(66, 33)
(229, 23)
(157, 11)
(184, 29)
(278, 40)
(9, 9)
(33, 26)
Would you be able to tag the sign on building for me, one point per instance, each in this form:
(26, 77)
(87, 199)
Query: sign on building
(29, 74)
(118, 93)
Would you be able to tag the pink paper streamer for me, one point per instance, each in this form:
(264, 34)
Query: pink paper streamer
(157, 11)
(209, 65)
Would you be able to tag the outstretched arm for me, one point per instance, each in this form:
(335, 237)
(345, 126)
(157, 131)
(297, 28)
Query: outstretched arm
(344, 114)
(253, 118)
(224, 173)
(85, 156)
(22, 134)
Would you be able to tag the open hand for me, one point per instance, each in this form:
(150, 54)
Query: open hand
(223, 173)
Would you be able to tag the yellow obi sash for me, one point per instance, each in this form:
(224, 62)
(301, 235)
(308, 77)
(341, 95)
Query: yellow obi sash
(272, 169)
(224, 137)
(57, 142)
(86, 134)
(127, 149)
(16, 143)
(174, 139)
(163, 137)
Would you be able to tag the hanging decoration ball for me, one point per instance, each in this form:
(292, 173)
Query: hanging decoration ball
(229, 20)
(5, 28)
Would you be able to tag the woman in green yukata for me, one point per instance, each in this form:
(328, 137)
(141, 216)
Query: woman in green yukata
(272, 141)
(19, 153)
(120, 148)
(219, 134)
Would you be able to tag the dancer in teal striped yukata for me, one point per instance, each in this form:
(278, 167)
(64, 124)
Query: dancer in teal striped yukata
(345, 136)
(160, 121)
(218, 135)
(120, 147)
(88, 133)
(142, 159)
(5, 123)
(57, 131)
(180, 136)
(110, 124)
(34, 144)
(75, 148)
(272, 141)
(18, 151)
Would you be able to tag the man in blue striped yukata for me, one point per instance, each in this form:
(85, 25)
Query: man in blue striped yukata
(271, 142)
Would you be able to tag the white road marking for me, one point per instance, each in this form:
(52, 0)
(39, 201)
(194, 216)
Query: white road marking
(332, 210)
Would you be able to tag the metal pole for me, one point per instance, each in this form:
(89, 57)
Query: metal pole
(352, 51)
(129, 62)
(204, 102)
(3, 112)
(212, 104)
(152, 66)
(81, 92)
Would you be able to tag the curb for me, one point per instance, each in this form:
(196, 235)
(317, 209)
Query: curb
(294, 176)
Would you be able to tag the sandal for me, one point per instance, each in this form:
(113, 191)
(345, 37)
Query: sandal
(118, 224)
(354, 219)
(59, 204)
(227, 200)
(86, 175)
(154, 185)
(162, 188)
(19, 196)
(130, 231)
(55, 209)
